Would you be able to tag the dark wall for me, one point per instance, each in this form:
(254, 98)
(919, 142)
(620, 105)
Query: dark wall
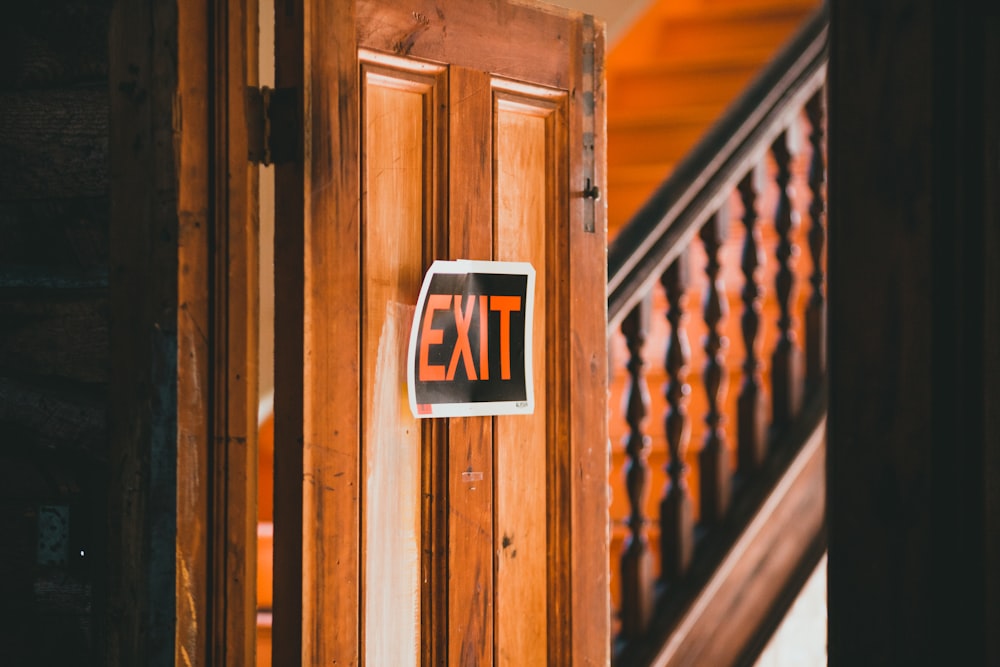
(54, 354)
(914, 447)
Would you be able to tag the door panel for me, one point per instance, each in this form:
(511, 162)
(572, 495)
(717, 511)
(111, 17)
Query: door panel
(448, 130)
(524, 183)
(398, 116)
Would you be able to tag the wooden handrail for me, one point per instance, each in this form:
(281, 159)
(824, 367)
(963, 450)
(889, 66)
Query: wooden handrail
(664, 226)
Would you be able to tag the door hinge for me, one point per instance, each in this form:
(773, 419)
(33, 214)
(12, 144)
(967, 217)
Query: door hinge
(272, 119)
(591, 191)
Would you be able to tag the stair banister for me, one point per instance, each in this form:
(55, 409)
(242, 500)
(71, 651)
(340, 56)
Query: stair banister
(666, 223)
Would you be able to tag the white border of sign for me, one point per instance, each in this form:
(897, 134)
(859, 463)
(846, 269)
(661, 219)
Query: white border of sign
(482, 409)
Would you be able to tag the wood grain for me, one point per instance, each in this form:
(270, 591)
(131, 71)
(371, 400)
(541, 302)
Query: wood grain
(465, 33)
(589, 610)
(396, 184)
(317, 342)
(471, 593)
(523, 182)
(233, 457)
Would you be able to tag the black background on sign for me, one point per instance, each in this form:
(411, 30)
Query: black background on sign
(461, 389)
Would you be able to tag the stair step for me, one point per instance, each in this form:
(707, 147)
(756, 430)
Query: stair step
(680, 113)
(652, 144)
(710, 9)
(661, 88)
(723, 38)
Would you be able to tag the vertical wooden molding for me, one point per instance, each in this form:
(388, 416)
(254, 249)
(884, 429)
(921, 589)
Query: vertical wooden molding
(289, 362)
(143, 454)
(200, 536)
(234, 215)
(184, 338)
(589, 639)
(317, 343)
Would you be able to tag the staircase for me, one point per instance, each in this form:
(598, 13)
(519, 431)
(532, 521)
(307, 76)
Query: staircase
(672, 82)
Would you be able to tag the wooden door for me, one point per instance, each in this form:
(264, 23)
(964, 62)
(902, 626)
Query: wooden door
(450, 130)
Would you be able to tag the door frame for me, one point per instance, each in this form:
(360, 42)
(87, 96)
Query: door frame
(181, 549)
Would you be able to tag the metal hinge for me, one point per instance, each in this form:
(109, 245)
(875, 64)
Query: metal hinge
(272, 119)
(591, 192)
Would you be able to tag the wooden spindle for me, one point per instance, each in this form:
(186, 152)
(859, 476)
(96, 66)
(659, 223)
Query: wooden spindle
(714, 466)
(676, 522)
(637, 581)
(785, 360)
(751, 434)
(816, 309)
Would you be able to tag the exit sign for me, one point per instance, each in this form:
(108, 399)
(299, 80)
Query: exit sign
(470, 343)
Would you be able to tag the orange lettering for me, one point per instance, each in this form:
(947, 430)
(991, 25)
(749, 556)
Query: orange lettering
(484, 330)
(431, 336)
(462, 346)
(504, 305)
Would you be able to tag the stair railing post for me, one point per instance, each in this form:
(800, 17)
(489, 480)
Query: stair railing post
(751, 430)
(816, 309)
(636, 563)
(676, 517)
(785, 360)
(714, 464)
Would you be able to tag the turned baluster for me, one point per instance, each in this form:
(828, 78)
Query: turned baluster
(785, 360)
(816, 309)
(637, 582)
(751, 434)
(676, 522)
(714, 466)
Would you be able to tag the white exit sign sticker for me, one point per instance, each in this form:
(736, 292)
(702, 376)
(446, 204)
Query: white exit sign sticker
(470, 344)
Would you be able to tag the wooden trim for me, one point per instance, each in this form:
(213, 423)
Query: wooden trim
(726, 614)
(317, 344)
(183, 382)
(196, 323)
(589, 636)
(143, 335)
(453, 31)
(233, 458)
